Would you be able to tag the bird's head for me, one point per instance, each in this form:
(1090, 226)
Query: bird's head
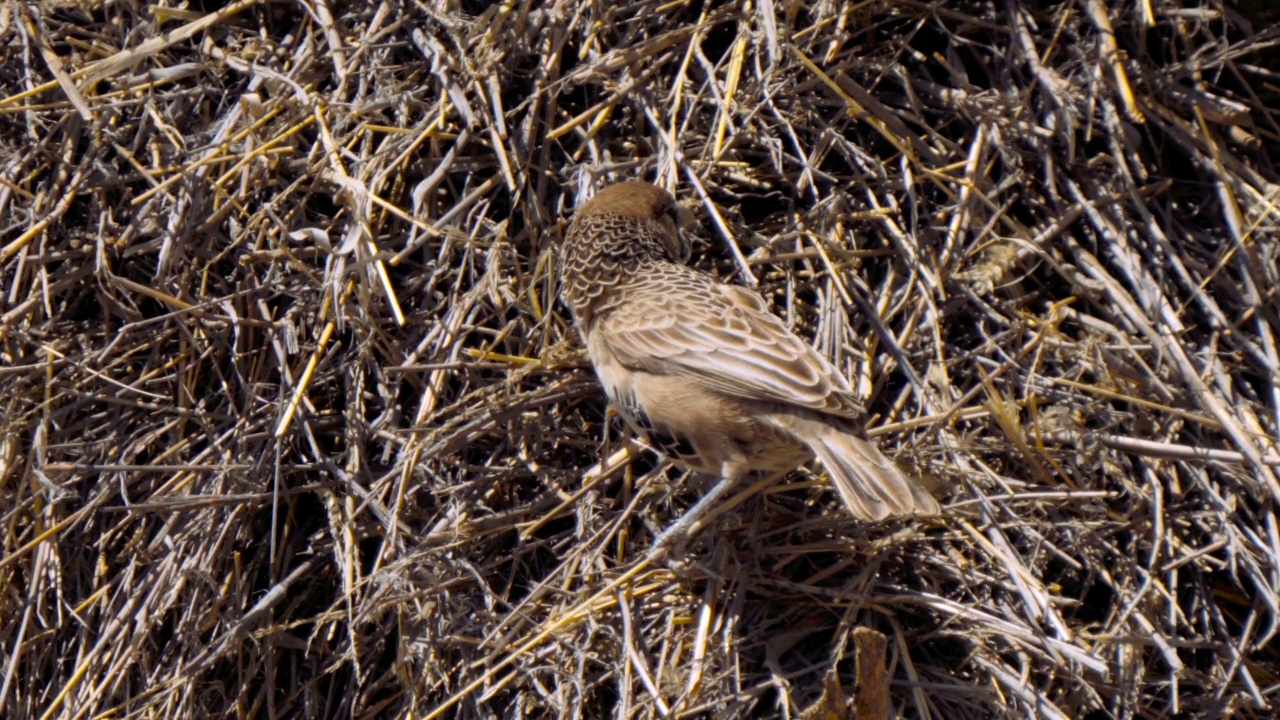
(636, 211)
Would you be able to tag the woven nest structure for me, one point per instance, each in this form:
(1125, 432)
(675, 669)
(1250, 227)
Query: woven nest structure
(292, 423)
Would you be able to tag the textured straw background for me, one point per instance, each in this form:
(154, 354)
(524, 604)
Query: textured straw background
(292, 424)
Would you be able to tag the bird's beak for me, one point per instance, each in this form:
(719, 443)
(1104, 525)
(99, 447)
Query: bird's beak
(684, 217)
(687, 228)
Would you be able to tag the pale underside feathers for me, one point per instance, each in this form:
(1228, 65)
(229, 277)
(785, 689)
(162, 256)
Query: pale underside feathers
(704, 369)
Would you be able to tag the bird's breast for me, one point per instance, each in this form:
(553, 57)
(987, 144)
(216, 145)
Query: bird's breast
(628, 392)
(691, 424)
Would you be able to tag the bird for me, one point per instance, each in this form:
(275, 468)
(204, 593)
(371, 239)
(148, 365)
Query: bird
(703, 371)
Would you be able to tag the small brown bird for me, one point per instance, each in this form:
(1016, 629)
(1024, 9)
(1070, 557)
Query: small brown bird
(703, 370)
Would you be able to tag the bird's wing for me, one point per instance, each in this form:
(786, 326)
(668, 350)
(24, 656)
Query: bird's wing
(724, 339)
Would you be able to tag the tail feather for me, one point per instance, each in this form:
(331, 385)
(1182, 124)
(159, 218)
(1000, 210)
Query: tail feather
(870, 484)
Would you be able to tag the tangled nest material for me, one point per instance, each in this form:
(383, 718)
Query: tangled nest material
(293, 425)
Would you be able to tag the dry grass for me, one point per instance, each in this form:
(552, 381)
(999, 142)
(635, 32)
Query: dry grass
(293, 425)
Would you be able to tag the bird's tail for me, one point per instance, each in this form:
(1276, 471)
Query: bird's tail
(870, 484)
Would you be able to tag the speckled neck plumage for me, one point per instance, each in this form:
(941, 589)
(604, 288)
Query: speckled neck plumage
(620, 233)
(601, 251)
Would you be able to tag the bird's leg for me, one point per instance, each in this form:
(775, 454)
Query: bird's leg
(678, 533)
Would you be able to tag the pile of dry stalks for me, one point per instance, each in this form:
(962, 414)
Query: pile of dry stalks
(294, 426)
